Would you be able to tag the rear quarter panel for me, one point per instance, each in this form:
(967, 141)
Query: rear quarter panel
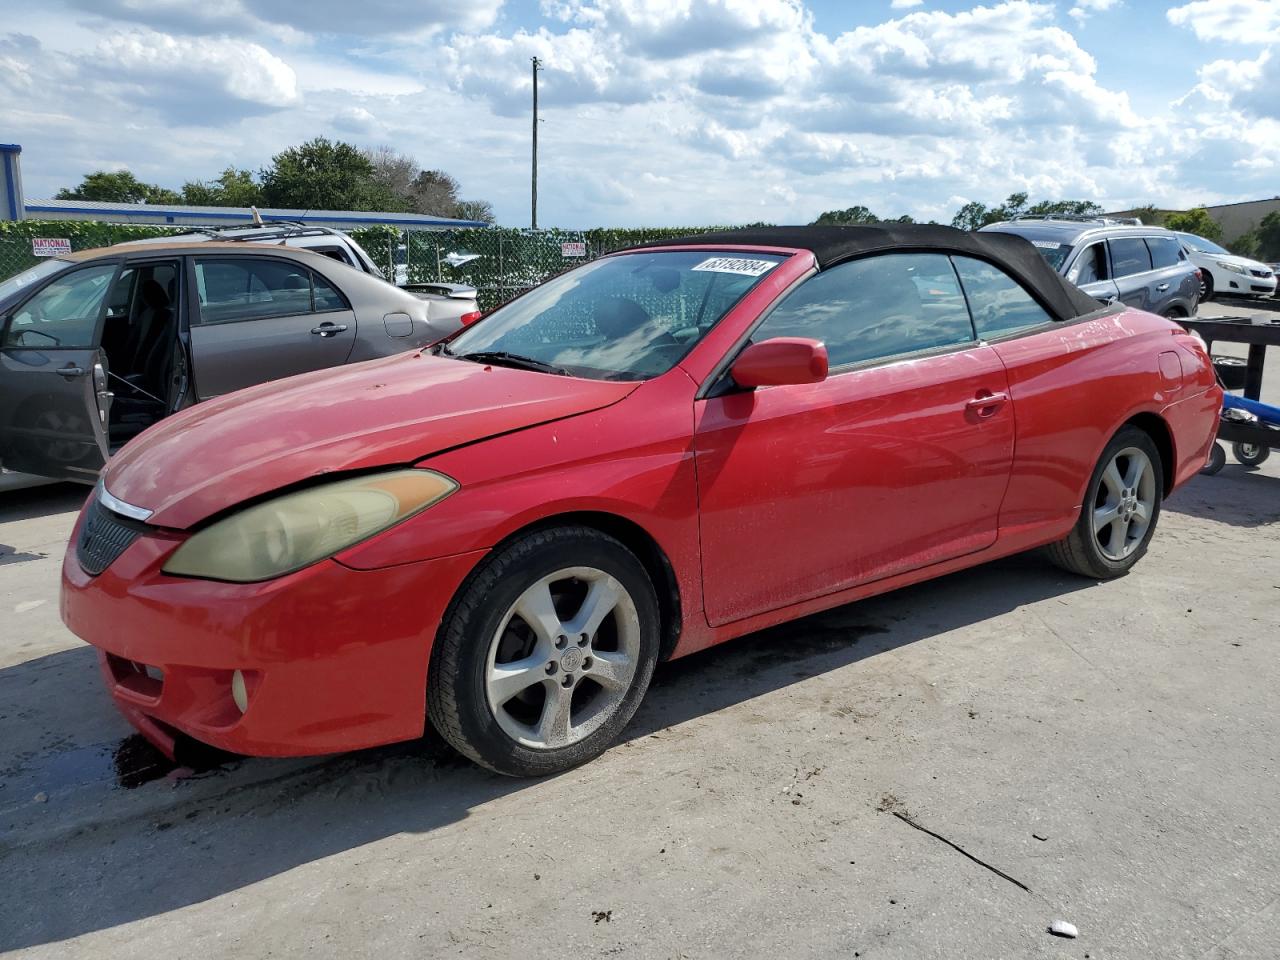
(1072, 388)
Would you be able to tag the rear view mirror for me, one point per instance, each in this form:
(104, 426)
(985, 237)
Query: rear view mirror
(781, 361)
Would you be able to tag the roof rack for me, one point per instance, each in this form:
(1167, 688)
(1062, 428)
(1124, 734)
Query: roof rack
(1081, 218)
(271, 230)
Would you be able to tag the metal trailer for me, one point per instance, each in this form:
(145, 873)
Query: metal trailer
(1252, 441)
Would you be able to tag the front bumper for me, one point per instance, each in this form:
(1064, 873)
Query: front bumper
(333, 658)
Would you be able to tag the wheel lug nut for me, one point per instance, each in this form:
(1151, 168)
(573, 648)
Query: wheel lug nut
(583, 640)
(567, 681)
(551, 667)
(560, 642)
(586, 663)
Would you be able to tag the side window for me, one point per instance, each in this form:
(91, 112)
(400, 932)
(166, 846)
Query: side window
(876, 307)
(65, 313)
(231, 290)
(999, 303)
(1129, 255)
(1090, 266)
(1165, 251)
(327, 296)
(334, 253)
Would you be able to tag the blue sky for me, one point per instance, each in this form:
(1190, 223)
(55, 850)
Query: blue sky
(667, 112)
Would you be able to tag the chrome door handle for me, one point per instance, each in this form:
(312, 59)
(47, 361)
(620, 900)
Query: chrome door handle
(329, 329)
(986, 404)
(71, 370)
(1163, 287)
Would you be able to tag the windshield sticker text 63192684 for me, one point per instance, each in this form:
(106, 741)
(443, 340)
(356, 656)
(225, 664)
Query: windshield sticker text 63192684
(739, 265)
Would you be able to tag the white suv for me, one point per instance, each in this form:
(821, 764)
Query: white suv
(1222, 272)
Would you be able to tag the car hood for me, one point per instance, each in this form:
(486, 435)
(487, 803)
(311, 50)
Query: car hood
(394, 411)
(1232, 258)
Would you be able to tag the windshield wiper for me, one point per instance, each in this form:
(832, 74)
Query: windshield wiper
(504, 359)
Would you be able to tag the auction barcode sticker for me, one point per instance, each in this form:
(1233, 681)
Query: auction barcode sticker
(738, 265)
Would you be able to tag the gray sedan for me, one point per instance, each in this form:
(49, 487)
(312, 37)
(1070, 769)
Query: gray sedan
(98, 345)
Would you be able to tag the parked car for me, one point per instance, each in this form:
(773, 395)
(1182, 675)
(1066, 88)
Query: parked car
(99, 345)
(333, 244)
(1137, 265)
(654, 452)
(1222, 272)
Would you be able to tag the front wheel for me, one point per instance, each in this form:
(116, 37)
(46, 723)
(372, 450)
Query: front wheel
(545, 654)
(1120, 510)
(1206, 285)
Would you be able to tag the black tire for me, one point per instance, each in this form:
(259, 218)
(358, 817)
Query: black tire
(1080, 551)
(1250, 454)
(1206, 285)
(457, 703)
(1217, 460)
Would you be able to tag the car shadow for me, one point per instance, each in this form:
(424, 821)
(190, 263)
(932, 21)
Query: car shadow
(1240, 496)
(171, 844)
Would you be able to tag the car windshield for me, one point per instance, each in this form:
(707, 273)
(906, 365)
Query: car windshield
(626, 317)
(1054, 253)
(10, 288)
(1201, 244)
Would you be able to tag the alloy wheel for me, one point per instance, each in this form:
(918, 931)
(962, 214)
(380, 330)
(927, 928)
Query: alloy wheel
(1124, 503)
(563, 658)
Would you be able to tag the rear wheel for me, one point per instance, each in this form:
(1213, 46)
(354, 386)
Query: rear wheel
(546, 652)
(1206, 285)
(1250, 454)
(1120, 510)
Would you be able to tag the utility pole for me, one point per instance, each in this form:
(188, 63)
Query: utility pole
(537, 65)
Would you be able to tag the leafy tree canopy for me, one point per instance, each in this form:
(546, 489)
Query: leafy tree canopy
(1195, 221)
(118, 186)
(231, 188)
(856, 215)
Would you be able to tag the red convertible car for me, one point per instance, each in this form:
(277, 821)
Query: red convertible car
(654, 452)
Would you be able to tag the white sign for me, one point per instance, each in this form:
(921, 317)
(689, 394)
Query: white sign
(738, 265)
(49, 247)
(573, 249)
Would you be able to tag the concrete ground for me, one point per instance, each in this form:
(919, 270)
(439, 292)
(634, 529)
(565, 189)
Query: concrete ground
(1111, 747)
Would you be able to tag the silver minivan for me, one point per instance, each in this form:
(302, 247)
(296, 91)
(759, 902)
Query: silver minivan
(98, 345)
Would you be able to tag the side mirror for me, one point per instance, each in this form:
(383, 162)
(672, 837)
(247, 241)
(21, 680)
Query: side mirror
(781, 361)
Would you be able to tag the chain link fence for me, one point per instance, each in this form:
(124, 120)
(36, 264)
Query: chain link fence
(500, 263)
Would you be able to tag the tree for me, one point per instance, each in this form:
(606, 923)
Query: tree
(1149, 214)
(1071, 208)
(323, 175)
(1195, 221)
(858, 214)
(434, 192)
(394, 172)
(971, 216)
(481, 210)
(1269, 237)
(118, 186)
(232, 188)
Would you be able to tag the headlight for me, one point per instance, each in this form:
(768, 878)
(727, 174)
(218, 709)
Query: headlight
(1231, 266)
(298, 529)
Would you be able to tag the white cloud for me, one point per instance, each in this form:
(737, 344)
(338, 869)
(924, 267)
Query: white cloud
(1231, 21)
(656, 111)
(1084, 8)
(905, 4)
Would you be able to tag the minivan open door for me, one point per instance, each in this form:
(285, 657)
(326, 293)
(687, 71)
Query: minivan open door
(54, 399)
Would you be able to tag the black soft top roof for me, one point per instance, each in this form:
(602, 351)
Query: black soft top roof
(832, 245)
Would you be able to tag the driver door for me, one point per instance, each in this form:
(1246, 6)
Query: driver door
(54, 401)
